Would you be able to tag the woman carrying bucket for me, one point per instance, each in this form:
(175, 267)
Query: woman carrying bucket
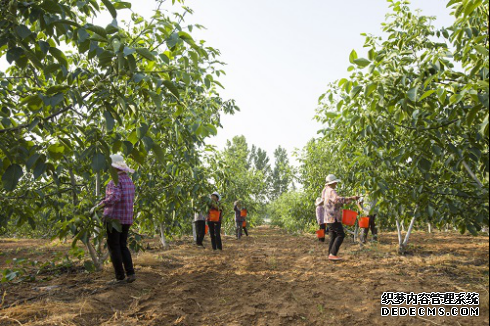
(214, 221)
(240, 215)
(320, 218)
(333, 215)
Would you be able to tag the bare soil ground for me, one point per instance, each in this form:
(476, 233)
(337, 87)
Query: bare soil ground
(269, 278)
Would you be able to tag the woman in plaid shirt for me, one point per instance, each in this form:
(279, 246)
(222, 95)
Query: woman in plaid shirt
(333, 214)
(118, 205)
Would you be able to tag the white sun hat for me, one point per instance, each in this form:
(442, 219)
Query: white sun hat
(330, 179)
(119, 163)
(217, 195)
(319, 201)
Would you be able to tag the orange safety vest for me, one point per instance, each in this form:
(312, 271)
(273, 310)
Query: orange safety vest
(214, 215)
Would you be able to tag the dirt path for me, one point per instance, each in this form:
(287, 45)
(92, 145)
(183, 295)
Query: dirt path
(269, 278)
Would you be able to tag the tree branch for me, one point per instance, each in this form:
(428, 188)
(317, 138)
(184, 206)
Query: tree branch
(25, 125)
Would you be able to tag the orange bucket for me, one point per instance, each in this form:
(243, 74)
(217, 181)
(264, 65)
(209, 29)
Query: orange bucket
(206, 229)
(320, 234)
(244, 224)
(349, 217)
(214, 215)
(364, 222)
(243, 213)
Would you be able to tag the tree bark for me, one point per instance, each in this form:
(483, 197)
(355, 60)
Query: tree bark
(163, 239)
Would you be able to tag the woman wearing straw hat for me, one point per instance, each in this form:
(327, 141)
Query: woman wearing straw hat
(118, 205)
(214, 221)
(320, 217)
(333, 215)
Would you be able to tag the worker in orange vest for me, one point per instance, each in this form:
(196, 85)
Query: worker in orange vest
(215, 216)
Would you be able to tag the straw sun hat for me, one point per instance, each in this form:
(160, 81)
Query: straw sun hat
(319, 201)
(119, 163)
(331, 179)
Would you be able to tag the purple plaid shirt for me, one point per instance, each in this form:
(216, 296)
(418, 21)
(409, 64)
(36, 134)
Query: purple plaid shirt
(119, 200)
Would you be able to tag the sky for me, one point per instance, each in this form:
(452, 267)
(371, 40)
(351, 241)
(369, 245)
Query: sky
(280, 56)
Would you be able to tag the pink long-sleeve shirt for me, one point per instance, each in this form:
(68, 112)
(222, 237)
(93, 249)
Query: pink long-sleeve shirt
(333, 205)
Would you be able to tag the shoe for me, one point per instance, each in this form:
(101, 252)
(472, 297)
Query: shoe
(131, 278)
(334, 258)
(116, 282)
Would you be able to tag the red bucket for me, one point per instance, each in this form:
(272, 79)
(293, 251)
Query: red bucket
(320, 234)
(364, 222)
(349, 217)
(206, 229)
(244, 224)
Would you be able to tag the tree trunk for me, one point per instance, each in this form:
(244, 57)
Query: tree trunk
(429, 226)
(398, 228)
(96, 259)
(402, 245)
(163, 239)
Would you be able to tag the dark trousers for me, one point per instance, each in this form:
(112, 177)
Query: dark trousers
(372, 226)
(323, 227)
(245, 230)
(200, 231)
(238, 229)
(336, 231)
(215, 233)
(118, 249)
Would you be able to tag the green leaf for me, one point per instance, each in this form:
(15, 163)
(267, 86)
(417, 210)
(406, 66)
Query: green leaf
(481, 49)
(470, 117)
(39, 169)
(59, 55)
(455, 98)
(109, 120)
(156, 99)
(441, 95)
(361, 62)
(370, 88)
(159, 152)
(144, 52)
(110, 7)
(51, 6)
(56, 149)
(355, 91)
(484, 99)
(172, 88)
(426, 94)
(98, 162)
(127, 51)
(98, 30)
(114, 174)
(23, 31)
(412, 94)
(352, 56)
(424, 164)
(142, 130)
(122, 5)
(11, 177)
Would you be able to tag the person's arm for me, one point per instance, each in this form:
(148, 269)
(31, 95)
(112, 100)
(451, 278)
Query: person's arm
(338, 200)
(113, 194)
